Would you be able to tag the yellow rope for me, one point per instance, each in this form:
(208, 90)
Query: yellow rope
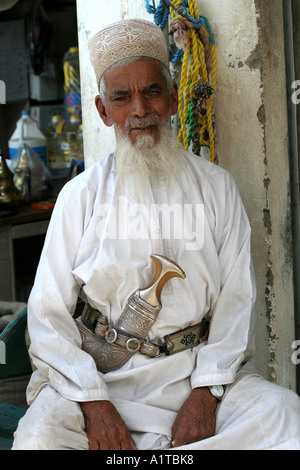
(214, 66)
(193, 7)
(199, 61)
(183, 96)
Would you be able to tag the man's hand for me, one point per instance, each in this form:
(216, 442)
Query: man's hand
(105, 428)
(196, 419)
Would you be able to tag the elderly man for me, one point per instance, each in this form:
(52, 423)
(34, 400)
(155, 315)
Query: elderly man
(198, 390)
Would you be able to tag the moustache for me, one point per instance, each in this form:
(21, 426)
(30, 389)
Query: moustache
(141, 123)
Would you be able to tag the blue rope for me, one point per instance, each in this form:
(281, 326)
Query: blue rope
(161, 17)
(160, 13)
(197, 22)
(175, 57)
(150, 8)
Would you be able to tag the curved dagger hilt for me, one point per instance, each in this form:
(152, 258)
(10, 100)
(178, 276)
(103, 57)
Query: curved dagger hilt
(166, 269)
(112, 346)
(144, 305)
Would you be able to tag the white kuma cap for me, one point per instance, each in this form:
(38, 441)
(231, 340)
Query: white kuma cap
(125, 39)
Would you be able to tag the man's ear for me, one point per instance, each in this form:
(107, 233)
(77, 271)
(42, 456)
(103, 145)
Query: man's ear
(102, 111)
(174, 100)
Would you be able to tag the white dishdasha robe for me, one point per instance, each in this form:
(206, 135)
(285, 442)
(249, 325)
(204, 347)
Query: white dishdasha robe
(98, 246)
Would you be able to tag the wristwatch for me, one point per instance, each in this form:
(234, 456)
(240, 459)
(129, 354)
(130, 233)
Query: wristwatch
(217, 391)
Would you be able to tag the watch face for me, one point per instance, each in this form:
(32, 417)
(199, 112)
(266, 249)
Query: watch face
(217, 391)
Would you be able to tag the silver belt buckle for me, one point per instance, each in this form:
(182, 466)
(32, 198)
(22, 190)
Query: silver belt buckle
(133, 345)
(111, 335)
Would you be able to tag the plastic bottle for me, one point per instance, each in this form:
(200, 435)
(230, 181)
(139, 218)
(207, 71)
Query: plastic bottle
(27, 132)
(72, 83)
(54, 139)
(69, 140)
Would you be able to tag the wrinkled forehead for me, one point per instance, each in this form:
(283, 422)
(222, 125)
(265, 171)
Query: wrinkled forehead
(139, 73)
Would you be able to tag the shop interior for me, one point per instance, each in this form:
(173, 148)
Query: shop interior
(36, 37)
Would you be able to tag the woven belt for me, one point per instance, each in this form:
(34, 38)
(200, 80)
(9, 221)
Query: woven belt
(168, 345)
(185, 339)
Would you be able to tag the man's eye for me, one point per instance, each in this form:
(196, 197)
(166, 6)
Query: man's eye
(153, 92)
(119, 98)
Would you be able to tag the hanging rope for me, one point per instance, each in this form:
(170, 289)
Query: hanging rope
(161, 13)
(196, 46)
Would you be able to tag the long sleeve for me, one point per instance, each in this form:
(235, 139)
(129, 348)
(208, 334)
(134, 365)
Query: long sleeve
(55, 340)
(79, 257)
(230, 342)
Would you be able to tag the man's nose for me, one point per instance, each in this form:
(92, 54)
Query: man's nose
(140, 106)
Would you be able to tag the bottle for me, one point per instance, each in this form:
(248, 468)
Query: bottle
(54, 140)
(27, 132)
(22, 177)
(69, 140)
(9, 194)
(72, 83)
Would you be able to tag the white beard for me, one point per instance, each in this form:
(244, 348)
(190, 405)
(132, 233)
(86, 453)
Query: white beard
(146, 160)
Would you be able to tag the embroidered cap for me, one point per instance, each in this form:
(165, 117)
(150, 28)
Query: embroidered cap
(125, 39)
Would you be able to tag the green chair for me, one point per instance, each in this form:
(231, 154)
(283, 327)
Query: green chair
(16, 364)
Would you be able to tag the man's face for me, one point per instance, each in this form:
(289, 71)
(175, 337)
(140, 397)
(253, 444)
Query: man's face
(137, 100)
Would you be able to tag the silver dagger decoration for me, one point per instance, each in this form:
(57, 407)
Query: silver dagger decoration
(111, 347)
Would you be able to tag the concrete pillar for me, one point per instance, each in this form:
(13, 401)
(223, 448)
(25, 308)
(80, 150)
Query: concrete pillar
(252, 127)
(252, 133)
